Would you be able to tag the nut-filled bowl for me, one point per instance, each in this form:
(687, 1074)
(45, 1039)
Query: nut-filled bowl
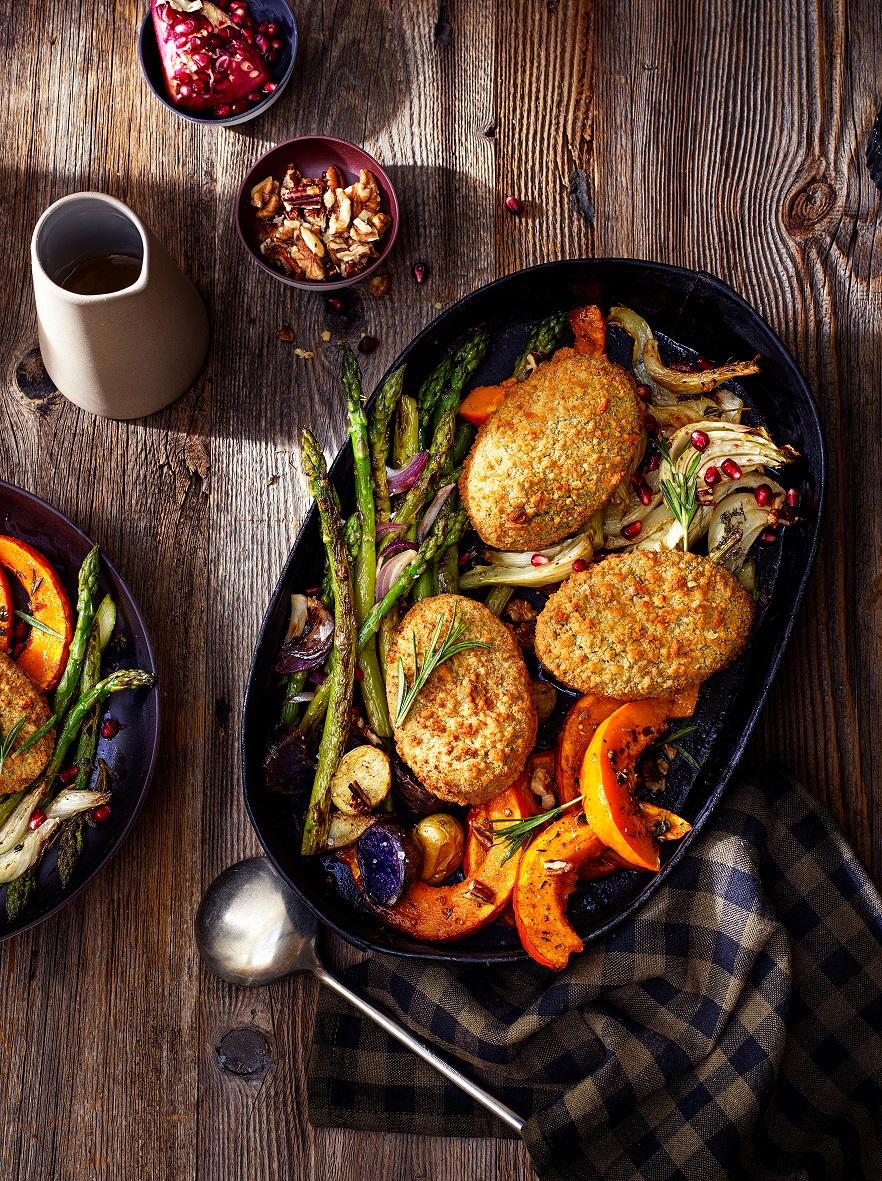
(315, 157)
(216, 44)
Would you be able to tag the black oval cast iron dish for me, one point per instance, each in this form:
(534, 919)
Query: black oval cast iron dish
(132, 753)
(691, 313)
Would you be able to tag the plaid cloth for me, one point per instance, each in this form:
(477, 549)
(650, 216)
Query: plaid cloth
(732, 1029)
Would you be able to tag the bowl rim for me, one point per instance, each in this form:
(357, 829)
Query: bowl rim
(319, 285)
(723, 291)
(109, 569)
(215, 121)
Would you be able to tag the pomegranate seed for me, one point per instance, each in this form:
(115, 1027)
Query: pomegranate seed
(359, 675)
(222, 63)
(261, 28)
(201, 60)
(247, 34)
(336, 303)
(642, 489)
(193, 45)
(38, 817)
(579, 565)
(712, 476)
(465, 558)
(255, 97)
(792, 498)
(269, 87)
(788, 516)
(186, 26)
(763, 495)
(731, 469)
(272, 57)
(200, 85)
(633, 530)
(367, 344)
(513, 205)
(644, 392)
(101, 813)
(262, 43)
(69, 774)
(539, 560)
(185, 91)
(222, 112)
(181, 74)
(19, 630)
(238, 108)
(272, 28)
(700, 440)
(654, 461)
(182, 41)
(110, 727)
(768, 537)
(650, 423)
(703, 363)
(276, 43)
(420, 270)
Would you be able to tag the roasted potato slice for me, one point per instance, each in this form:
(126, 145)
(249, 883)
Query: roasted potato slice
(362, 780)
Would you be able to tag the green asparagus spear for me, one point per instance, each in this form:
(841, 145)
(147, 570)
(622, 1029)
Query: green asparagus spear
(405, 445)
(87, 585)
(341, 680)
(543, 341)
(373, 689)
(448, 571)
(381, 416)
(290, 710)
(497, 598)
(102, 628)
(446, 532)
(18, 893)
(427, 399)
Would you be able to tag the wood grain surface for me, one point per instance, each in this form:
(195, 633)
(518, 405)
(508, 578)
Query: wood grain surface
(727, 135)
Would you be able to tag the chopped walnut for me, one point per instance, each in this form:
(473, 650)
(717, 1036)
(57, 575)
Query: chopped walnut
(265, 198)
(556, 869)
(379, 285)
(481, 892)
(540, 785)
(520, 611)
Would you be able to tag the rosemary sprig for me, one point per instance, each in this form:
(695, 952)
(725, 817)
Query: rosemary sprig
(434, 655)
(7, 741)
(39, 625)
(680, 492)
(516, 833)
(672, 739)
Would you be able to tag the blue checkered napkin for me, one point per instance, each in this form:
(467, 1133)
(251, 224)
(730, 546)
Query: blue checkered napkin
(733, 1029)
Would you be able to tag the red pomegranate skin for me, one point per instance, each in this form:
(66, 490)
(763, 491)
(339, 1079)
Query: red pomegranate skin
(213, 63)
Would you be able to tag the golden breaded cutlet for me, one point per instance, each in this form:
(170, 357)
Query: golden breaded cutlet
(644, 624)
(553, 453)
(470, 729)
(20, 698)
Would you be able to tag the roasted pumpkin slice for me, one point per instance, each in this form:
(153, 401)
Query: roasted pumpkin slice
(46, 648)
(574, 739)
(683, 703)
(7, 612)
(483, 401)
(608, 780)
(546, 877)
(440, 913)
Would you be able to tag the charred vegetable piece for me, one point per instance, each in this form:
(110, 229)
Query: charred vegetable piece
(442, 841)
(311, 646)
(589, 329)
(389, 862)
(362, 780)
(574, 739)
(608, 778)
(411, 792)
(344, 830)
(288, 767)
(545, 699)
(546, 877)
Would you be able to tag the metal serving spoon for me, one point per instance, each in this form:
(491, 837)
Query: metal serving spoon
(252, 929)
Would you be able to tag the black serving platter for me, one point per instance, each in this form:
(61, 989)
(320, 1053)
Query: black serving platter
(691, 313)
(132, 753)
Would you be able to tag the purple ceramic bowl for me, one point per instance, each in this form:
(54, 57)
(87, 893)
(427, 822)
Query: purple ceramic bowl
(312, 155)
(132, 753)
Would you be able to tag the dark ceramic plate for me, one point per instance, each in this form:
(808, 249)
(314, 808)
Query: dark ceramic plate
(703, 315)
(132, 753)
(312, 155)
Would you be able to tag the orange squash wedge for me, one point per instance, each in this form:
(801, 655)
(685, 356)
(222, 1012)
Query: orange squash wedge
(574, 739)
(444, 913)
(683, 703)
(7, 612)
(482, 401)
(45, 654)
(607, 780)
(589, 328)
(547, 876)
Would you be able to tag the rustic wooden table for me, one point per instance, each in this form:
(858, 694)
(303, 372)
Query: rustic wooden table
(727, 135)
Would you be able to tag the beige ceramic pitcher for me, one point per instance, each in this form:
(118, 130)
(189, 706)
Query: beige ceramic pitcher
(126, 353)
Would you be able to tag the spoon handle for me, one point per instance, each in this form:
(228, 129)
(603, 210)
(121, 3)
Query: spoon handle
(425, 1052)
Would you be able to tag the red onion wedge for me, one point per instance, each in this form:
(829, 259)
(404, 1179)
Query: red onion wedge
(389, 572)
(314, 643)
(432, 512)
(402, 479)
(397, 546)
(389, 527)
